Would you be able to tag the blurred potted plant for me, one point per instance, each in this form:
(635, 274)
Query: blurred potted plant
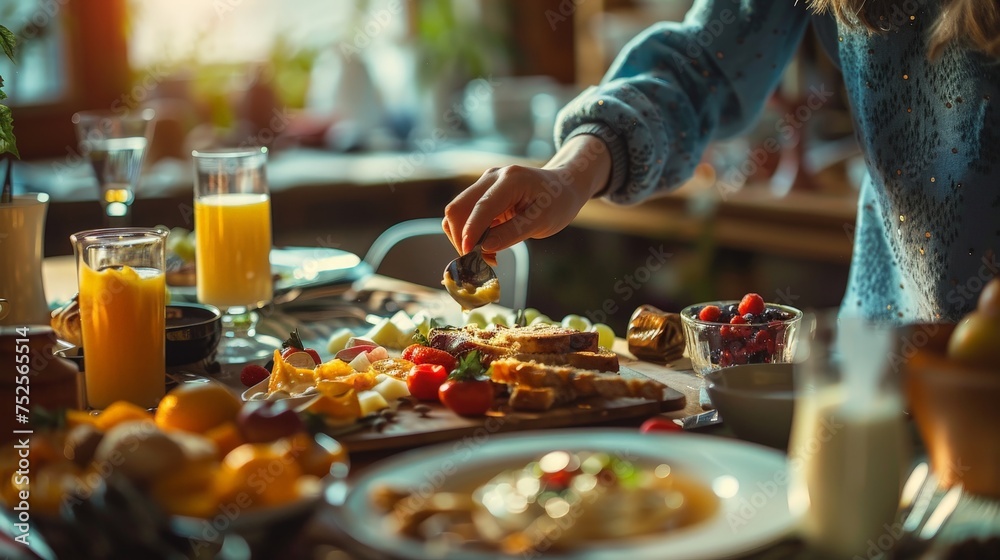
(8, 144)
(455, 43)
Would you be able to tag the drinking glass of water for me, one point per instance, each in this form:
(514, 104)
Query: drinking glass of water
(115, 145)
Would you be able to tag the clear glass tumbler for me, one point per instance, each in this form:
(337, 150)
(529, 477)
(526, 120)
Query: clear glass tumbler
(122, 314)
(849, 449)
(232, 224)
(115, 144)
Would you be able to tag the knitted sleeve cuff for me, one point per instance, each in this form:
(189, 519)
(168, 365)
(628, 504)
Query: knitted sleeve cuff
(617, 149)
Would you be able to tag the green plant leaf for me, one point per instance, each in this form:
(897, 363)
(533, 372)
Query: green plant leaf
(8, 42)
(8, 144)
(2, 94)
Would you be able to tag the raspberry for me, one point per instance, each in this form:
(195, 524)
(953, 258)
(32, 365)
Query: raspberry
(710, 313)
(737, 320)
(751, 303)
(761, 337)
(253, 374)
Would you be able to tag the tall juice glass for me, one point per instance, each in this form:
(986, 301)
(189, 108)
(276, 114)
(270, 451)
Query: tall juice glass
(232, 224)
(122, 314)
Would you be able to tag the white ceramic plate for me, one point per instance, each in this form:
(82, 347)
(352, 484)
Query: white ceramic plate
(750, 481)
(303, 267)
(261, 387)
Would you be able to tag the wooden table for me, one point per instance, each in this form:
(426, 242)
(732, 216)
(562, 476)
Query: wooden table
(320, 537)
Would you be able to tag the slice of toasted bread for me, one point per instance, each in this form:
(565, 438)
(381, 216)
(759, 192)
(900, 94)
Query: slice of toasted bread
(597, 361)
(546, 339)
(532, 398)
(501, 341)
(583, 383)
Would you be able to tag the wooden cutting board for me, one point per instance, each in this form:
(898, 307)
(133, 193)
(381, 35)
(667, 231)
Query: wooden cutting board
(410, 429)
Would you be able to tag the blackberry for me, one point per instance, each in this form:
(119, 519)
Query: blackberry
(714, 356)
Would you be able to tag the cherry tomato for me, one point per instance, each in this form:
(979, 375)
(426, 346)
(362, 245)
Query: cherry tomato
(424, 380)
(659, 425)
(467, 398)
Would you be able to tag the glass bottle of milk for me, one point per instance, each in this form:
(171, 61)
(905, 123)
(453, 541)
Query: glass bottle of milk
(849, 447)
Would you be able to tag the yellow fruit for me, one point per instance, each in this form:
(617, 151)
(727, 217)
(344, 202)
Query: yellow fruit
(197, 407)
(259, 474)
(334, 369)
(341, 409)
(226, 437)
(118, 412)
(75, 418)
(323, 453)
(139, 450)
(189, 490)
(50, 485)
(286, 377)
(976, 341)
(989, 299)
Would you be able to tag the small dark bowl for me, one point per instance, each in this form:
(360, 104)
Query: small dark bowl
(193, 333)
(756, 401)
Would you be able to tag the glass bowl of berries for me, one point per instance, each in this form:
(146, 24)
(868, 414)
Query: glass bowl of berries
(749, 331)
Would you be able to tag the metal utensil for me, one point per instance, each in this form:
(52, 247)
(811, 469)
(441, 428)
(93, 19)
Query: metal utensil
(469, 273)
(705, 419)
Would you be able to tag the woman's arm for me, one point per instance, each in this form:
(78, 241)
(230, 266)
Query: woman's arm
(672, 90)
(678, 86)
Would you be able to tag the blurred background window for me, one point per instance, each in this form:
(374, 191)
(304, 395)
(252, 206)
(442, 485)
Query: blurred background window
(40, 77)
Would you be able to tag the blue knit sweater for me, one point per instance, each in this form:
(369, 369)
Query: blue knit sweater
(928, 221)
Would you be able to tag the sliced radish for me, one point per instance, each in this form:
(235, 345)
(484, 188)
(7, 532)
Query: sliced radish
(359, 341)
(301, 360)
(351, 352)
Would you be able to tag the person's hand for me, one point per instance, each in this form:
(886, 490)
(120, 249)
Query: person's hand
(525, 202)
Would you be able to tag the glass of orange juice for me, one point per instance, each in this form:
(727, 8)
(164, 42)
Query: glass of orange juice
(122, 313)
(232, 224)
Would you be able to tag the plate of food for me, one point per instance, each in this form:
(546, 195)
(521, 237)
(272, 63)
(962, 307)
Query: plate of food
(582, 494)
(460, 380)
(293, 267)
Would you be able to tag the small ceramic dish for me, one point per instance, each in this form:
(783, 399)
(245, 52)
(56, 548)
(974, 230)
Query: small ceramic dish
(192, 330)
(755, 400)
(955, 409)
(193, 333)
